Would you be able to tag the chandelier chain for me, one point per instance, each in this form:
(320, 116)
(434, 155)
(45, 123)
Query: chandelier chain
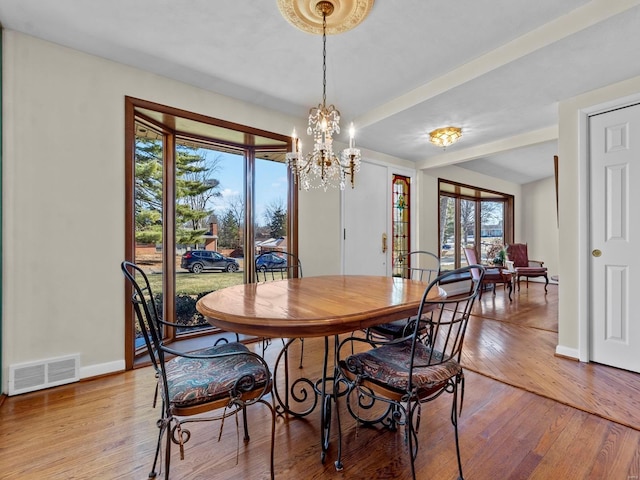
(324, 59)
(322, 167)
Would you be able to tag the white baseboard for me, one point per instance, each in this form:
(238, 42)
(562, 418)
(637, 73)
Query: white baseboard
(567, 352)
(457, 288)
(538, 280)
(102, 369)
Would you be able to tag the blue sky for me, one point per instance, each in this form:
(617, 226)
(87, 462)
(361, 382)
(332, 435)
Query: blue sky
(271, 182)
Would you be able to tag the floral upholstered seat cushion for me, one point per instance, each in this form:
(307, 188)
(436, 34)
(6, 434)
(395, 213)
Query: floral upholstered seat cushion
(391, 329)
(194, 381)
(389, 365)
(397, 329)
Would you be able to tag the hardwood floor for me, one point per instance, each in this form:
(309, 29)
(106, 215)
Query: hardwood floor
(515, 343)
(105, 428)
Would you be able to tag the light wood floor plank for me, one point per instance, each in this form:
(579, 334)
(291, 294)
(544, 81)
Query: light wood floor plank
(105, 428)
(519, 349)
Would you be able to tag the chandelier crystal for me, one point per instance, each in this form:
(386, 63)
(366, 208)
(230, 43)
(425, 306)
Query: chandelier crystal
(443, 137)
(322, 167)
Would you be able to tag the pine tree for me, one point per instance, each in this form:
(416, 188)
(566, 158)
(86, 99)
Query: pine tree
(194, 189)
(228, 230)
(148, 191)
(276, 217)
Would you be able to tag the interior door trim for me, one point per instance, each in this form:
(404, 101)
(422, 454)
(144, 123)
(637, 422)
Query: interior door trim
(583, 274)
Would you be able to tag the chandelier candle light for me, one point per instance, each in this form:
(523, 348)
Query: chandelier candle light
(322, 167)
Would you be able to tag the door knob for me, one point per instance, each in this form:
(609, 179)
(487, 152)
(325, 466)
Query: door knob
(596, 253)
(384, 243)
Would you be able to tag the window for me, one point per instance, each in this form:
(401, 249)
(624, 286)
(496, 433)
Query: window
(400, 222)
(472, 217)
(201, 193)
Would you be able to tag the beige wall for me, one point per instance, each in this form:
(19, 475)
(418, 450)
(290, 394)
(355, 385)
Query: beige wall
(573, 245)
(539, 224)
(320, 216)
(319, 231)
(428, 181)
(63, 174)
(63, 164)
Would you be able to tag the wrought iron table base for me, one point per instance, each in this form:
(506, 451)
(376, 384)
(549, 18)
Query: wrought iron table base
(304, 390)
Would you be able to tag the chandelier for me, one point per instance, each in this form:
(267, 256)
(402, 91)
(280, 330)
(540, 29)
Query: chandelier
(322, 167)
(443, 137)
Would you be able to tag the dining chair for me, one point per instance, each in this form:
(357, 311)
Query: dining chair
(399, 376)
(277, 266)
(226, 378)
(524, 266)
(492, 275)
(270, 266)
(418, 265)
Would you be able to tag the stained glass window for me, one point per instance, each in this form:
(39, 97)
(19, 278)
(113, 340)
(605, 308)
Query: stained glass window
(400, 223)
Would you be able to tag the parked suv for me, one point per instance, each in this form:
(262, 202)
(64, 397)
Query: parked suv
(198, 260)
(270, 261)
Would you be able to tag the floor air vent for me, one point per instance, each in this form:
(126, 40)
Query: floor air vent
(27, 377)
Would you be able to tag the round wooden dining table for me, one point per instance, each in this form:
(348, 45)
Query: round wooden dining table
(320, 306)
(313, 306)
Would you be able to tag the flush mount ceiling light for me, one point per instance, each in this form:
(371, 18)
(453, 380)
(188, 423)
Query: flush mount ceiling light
(322, 167)
(443, 137)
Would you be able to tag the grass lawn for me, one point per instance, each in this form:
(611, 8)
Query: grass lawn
(193, 284)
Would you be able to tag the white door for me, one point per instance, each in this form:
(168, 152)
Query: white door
(365, 221)
(615, 238)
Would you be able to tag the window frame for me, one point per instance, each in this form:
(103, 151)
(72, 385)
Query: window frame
(134, 112)
(459, 192)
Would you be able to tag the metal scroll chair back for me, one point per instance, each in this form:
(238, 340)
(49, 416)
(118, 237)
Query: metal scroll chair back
(388, 383)
(225, 377)
(146, 311)
(445, 321)
(277, 266)
(421, 266)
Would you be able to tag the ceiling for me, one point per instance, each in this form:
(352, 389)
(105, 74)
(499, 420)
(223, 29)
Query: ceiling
(496, 68)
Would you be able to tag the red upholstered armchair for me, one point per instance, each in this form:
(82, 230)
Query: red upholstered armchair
(523, 266)
(492, 275)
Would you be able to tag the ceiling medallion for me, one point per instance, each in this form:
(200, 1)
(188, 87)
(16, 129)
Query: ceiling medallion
(345, 15)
